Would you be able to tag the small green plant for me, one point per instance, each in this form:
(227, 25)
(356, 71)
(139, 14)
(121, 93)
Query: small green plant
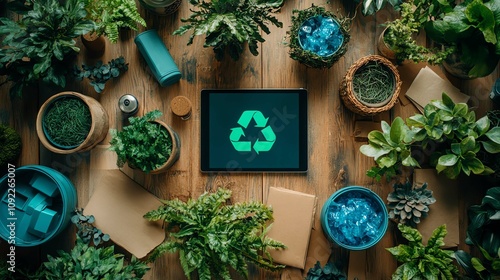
(40, 45)
(88, 262)
(329, 272)
(100, 73)
(409, 204)
(111, 15)
(67, 121)
(212, 235)
(86, 230)
(482, 232)
(373, 83)
(370, 7)
(229, 24)
(144, 144)
(420, 261)
(453, 129)
(10, 146)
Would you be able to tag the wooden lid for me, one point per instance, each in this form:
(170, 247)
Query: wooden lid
(181, 106)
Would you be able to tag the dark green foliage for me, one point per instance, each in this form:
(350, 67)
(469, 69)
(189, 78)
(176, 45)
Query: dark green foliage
(88, 262)
(144, 144)
(423, 262)
(212, 235)
(100, 73)
(67, 121)
(370, 7)
(459, 135)
(40, 46)
(21, 273)
(482, 232)
(86, 230)
(229, 24)
(329, 272)
(112, 15)
(10, 146)
(310, 58)
(409, 204)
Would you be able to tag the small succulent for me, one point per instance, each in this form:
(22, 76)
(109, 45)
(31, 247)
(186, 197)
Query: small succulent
(409, 204)
(86, 230)
(100, 73)
(329, 272)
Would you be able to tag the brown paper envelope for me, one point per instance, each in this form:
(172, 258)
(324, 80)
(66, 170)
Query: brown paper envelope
(444, 210)
(293, 214)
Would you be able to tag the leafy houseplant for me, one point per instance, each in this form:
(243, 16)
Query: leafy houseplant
(370, 7)
(40, 45)
(146, 143)
(86, 230)
(212, 235)
(10, 146)
(318, 38)
(482, 232)
(423, 262)
(100, 73)
(66, 122)
(329, 272)
(409, 204)
(229, 24)
(451, 129)
(111, 15)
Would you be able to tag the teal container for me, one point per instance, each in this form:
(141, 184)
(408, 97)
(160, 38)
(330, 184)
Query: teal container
(157, 57)
(346, 202)
(41, 208)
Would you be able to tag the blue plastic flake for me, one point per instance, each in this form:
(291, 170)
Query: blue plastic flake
(354, 219)
(321, 35)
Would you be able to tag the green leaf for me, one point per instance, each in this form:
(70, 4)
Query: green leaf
(373, 150)
(482, 125)
(377, 138)
(387, 160)
(494, 134)
(482, 17)
(398, 130)
(468, 144)
(447, 160)
(491, 147)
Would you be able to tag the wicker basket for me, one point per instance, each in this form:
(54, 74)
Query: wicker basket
(349, 97)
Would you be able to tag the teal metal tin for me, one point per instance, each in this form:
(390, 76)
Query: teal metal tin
(157, 57)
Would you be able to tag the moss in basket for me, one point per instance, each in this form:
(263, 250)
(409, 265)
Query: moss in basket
(144, 144)
(67, 121)
(373, 83)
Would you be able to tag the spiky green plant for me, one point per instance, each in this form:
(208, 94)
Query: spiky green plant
(421, 261)
(212, 235)
(409, 204)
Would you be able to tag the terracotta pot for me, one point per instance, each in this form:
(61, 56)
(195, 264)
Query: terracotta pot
(176, 148)
(95, 44)
(98, 129)
(383, 48)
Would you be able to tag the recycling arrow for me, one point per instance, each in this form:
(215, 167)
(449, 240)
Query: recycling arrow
(260, 121)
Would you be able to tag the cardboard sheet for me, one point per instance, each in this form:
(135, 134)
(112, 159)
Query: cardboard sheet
(293, 214)
(444, 210)
(118, 204)
(428, 86)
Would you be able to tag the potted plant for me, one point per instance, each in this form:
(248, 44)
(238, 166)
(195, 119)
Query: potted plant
(71, 122)
(213, 236)
(409, 204)
(229, 24)
(370, 86)
(421, 261)
(111, 15)
(146, 143)
(10, 146)
(449, 130)
(40, 45)
(317, 37)
(330, 271)
(100, 73)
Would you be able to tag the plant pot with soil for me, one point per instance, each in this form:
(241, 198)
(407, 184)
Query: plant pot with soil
(370, 86)
(318, 38)
(146, 143)
(71, 122)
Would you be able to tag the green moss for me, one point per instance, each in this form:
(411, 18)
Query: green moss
(309, 58)
(10, 145)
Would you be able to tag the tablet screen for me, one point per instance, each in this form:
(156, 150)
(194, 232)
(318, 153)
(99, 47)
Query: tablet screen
(254, 130)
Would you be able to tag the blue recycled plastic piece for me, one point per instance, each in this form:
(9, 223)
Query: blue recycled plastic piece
(158, 58)
(352, 206)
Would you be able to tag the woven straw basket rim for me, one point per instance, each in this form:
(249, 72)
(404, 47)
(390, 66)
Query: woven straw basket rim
(349, 97)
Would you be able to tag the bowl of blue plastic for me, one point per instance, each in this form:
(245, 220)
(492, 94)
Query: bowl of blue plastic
(355, 218)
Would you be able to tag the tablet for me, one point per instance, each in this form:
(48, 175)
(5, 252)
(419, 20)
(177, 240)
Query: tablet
(254, 130)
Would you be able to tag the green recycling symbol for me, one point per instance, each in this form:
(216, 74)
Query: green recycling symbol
(260, 121)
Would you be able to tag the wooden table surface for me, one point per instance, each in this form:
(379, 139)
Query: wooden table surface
(334, 157)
